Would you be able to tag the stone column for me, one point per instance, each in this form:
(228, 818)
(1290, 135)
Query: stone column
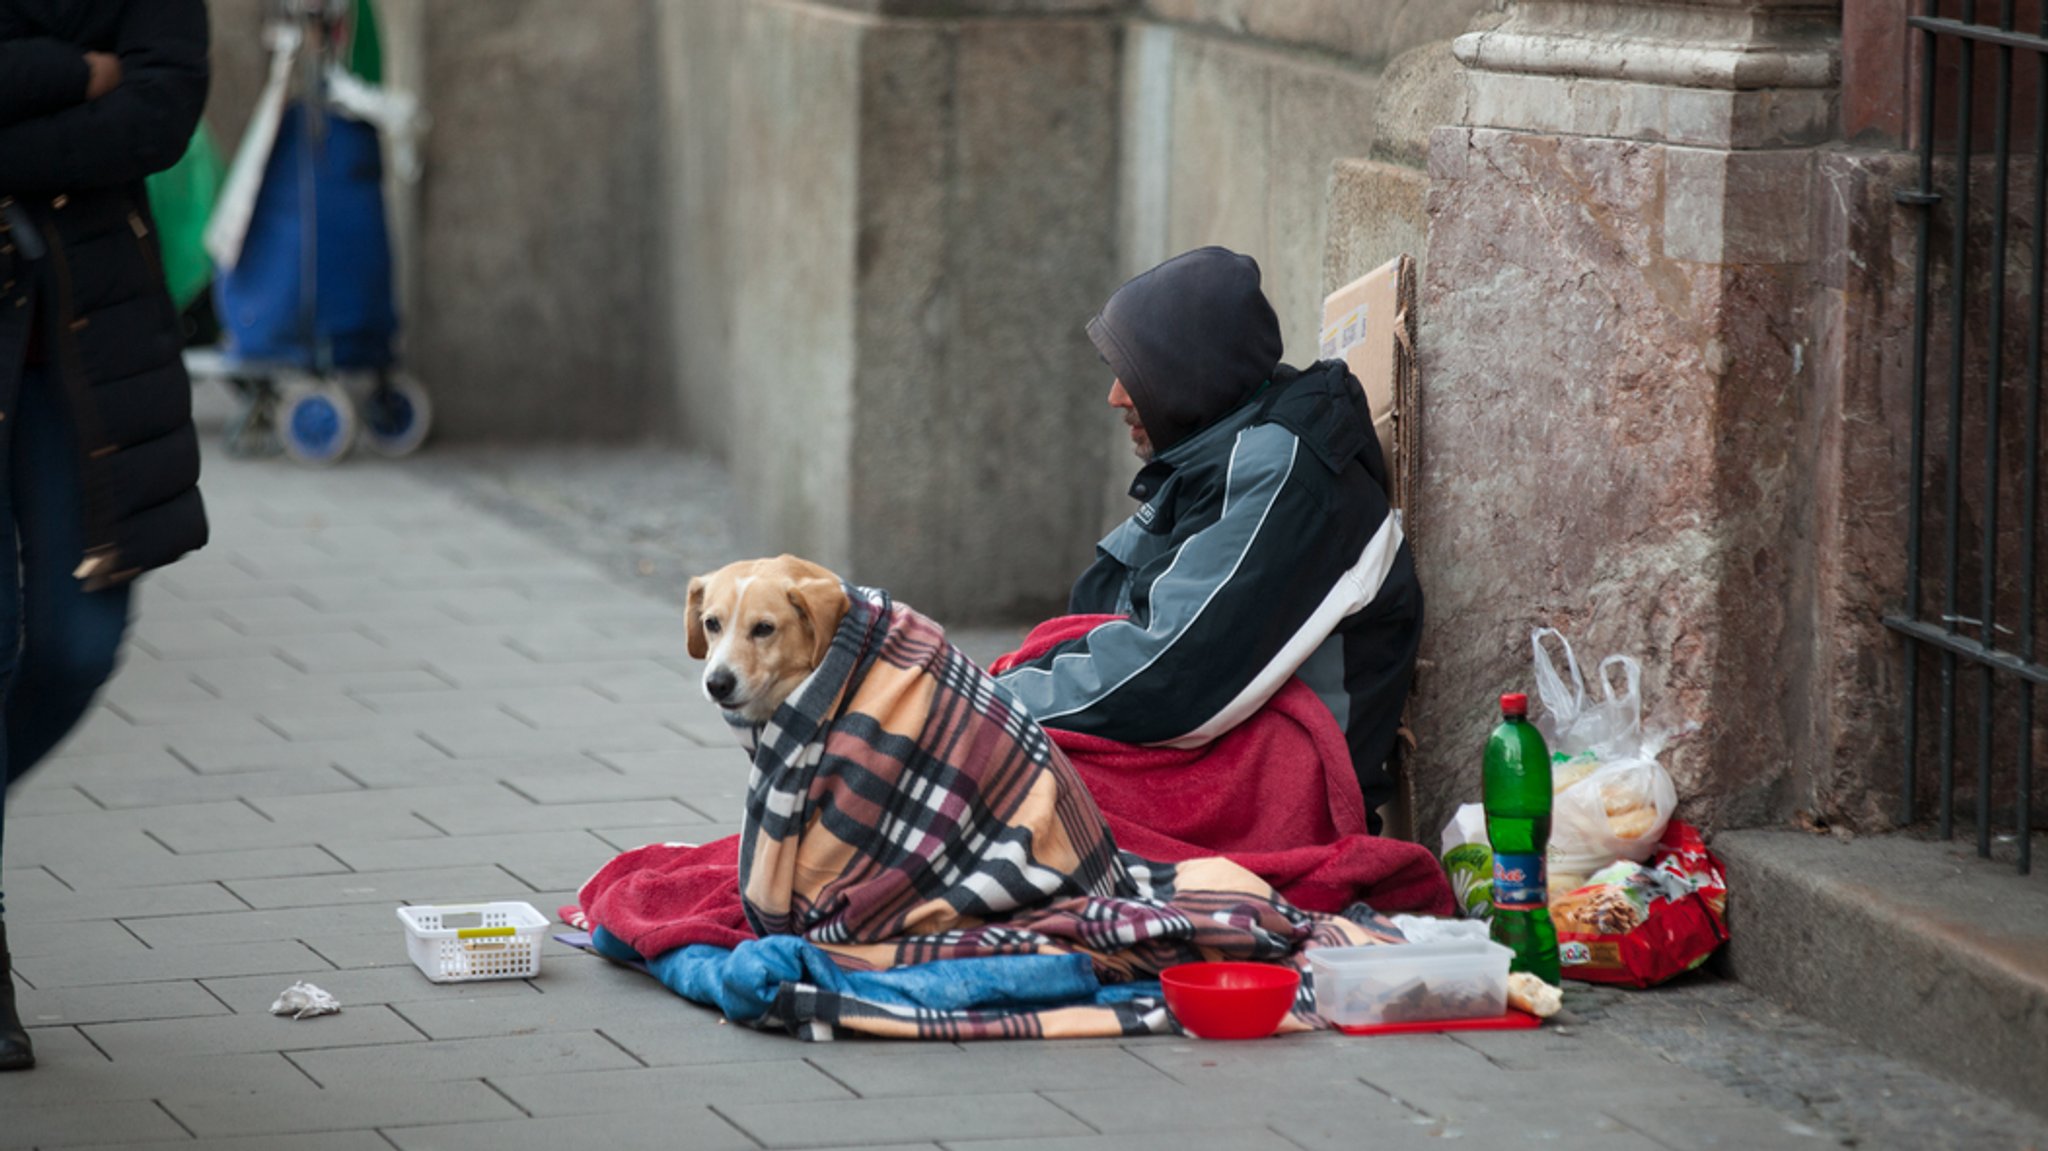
(920, 216)
(538, 298)
(1615, 356)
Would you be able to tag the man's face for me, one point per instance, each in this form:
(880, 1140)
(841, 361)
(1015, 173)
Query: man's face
(1121, 400)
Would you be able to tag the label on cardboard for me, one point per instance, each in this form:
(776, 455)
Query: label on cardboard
(1344, 333)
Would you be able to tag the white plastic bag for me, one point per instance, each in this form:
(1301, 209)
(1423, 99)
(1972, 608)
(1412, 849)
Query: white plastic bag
(1617, 812)
(1610, 727)
(1617, 805)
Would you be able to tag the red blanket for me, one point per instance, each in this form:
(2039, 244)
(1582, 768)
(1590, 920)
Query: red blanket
(665, 895)
(1276, 795)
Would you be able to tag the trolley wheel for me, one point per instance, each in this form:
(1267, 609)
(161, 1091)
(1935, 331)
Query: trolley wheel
(316, 421)
(396, 416)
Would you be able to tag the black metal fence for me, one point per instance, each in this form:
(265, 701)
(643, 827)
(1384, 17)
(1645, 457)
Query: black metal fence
(1993, 630)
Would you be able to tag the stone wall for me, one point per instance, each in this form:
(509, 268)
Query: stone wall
(1292, 131)
(695, 40)
(239, 66)
(1608, 450)
(539, 295)
(1858, 422)
(1618, 365)
(1236, 113)
(888, 232)
(626, 229)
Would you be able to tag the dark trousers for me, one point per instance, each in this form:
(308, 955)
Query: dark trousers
(58, 642)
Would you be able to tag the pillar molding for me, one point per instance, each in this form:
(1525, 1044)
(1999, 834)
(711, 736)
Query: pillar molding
(1741, 74)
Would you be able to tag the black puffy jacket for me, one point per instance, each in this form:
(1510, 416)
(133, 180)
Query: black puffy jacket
(79, 258)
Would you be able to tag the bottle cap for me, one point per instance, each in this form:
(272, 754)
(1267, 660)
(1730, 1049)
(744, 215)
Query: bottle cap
(1514, 703)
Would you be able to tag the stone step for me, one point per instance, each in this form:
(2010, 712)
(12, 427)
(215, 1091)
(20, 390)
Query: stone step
(1916, 947)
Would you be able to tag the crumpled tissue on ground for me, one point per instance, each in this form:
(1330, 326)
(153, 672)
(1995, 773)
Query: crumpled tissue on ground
(304, 1001)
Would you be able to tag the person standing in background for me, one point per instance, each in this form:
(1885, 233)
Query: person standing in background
(99, 461)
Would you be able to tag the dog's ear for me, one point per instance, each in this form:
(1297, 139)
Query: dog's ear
(695, 609)
(820, 602)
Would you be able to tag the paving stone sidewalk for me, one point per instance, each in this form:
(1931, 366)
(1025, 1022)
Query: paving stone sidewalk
(369, 692)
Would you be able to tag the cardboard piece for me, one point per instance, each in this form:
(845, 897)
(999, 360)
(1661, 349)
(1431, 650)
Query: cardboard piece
(1370, 324)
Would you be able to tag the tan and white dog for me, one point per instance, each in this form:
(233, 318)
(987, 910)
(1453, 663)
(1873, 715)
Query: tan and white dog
(761, 626)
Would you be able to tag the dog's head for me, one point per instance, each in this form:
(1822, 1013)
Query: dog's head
(762, 626)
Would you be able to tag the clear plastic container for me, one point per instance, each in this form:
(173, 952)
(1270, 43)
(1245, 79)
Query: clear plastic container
(1411, 982)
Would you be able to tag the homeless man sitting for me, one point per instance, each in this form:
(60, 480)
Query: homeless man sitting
(1263, 546)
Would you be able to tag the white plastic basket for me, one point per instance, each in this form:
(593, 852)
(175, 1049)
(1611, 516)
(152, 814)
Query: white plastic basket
(499, 941)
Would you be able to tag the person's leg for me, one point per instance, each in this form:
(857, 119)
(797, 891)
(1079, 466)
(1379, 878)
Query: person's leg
(15, 1052)
(69, 637)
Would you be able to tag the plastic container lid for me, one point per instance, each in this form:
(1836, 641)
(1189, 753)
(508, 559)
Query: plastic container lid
(1514, 703)
(1402, 954)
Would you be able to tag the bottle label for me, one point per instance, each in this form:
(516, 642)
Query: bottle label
(1518, 883)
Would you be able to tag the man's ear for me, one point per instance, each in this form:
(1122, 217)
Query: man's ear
(821, 603)
(695, 611)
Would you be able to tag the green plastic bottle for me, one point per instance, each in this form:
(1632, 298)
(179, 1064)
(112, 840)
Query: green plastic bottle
(1516, 789)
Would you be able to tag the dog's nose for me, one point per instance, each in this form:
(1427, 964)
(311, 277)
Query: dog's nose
(720, 684)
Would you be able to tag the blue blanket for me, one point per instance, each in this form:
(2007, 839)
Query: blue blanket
(785, 982)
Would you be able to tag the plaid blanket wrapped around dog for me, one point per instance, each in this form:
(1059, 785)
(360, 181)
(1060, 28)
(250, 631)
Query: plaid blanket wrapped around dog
(903, 809)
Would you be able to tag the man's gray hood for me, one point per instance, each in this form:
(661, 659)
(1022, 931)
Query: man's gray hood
(1191, 340)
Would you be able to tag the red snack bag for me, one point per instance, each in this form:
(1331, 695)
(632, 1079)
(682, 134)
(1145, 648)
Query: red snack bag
(1641, 925)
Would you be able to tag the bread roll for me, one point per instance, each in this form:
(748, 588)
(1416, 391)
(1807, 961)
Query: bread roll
(1634, 823)
(1530, 994)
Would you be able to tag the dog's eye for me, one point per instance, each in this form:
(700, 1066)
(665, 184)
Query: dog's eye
(710, 625)
(764, 629)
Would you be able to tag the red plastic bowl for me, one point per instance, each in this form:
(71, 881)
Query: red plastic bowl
(1230, 1000)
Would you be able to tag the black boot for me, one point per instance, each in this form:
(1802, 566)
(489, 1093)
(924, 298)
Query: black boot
(15, 1052)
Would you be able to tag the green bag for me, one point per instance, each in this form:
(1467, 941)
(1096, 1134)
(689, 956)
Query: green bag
(181, 197)
(366, 45)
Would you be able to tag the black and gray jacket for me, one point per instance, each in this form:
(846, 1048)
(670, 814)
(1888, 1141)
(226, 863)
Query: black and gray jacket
(81, 275)
(1263, 548)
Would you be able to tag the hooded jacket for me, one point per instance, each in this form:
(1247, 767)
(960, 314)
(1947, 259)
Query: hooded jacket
(81, 275)
(1263, 546)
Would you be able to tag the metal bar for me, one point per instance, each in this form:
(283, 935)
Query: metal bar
(1925, 196)
(2022, 809)
(2001, 142)
(1980, 33)
(1958, 318)
(1955, 644)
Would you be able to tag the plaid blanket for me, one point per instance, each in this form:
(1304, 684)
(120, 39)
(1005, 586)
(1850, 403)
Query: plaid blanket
(903, 809)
